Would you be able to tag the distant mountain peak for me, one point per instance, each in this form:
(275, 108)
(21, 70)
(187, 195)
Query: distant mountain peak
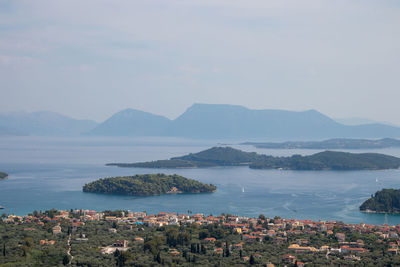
(132, 122)
(135, 112)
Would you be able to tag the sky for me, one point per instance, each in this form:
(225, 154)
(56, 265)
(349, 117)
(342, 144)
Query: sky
(89, 59)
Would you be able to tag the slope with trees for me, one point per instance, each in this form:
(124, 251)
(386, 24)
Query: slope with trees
(331, 160)
(384, 201)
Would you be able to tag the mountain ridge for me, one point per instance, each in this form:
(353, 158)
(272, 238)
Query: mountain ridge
(199, 121)
(43, 123)
(233, 122)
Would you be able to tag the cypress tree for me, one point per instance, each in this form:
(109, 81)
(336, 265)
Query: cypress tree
(158, 259)
(121, 259)
(65, 260)
(252, 260)
(203, 249)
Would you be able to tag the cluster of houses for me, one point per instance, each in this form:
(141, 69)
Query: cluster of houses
(251, 229)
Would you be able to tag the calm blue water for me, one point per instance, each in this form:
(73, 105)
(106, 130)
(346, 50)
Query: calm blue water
(50, 172)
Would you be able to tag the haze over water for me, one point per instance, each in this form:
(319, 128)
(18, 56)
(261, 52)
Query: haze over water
(49, 173)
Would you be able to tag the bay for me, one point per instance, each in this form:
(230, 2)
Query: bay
(47, 172)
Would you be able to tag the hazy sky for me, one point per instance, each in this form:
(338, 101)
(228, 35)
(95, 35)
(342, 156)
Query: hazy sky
(89, 59)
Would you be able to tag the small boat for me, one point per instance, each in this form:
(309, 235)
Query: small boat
(376, 180)
(242, 189)
(1, 207)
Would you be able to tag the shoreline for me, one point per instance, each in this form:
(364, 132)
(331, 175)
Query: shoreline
(379, 212)
(196, 213)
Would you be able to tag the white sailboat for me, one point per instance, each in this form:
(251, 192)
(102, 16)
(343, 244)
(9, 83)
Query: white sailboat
(242, 189)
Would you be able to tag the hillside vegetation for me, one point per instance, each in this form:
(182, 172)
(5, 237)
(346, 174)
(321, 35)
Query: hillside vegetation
(331, 160)
(147, 185)
(384, 201)
(222, 156)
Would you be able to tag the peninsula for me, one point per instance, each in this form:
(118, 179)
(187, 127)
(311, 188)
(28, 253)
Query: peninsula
(337, 143)
(3, 175)
(228, 156)
(147, 185)
(384, 201)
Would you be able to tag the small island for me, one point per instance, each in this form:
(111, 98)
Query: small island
(384, 201)
(228, 156)
(3, 175)
(148, 185)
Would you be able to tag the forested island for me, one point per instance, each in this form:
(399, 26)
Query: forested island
(216, 156)
(337, 143)
(384, 201)
(3, 175)
(228, 156)
(330, 160)
(147, 185)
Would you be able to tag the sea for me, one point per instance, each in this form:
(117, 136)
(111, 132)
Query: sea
(49, 172)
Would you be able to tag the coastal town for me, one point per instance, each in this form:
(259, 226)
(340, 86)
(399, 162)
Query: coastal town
(243, 239)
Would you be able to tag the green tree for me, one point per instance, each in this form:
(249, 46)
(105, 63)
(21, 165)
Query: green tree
(252, 261)
(65, 260)
(29, 242)
(227, 252)
(121, 259)
(158, 258)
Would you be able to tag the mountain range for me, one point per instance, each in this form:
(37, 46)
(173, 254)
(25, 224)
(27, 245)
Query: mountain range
(42, 123)
(200, 121)
(216, 121)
